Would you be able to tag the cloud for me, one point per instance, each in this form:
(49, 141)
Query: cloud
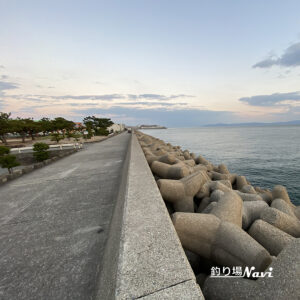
(90, 97)
(83, 104)
(270, 100)
(151, 103)
(4, 77)
(160, 97)
(104, 97)
(7, 86)
(2, 67)
(289, 58)
(109, 97)
(164, 116)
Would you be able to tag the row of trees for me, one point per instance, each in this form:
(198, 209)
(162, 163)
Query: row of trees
(29, 127)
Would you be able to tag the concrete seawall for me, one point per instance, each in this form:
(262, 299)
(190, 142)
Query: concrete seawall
(143, 256)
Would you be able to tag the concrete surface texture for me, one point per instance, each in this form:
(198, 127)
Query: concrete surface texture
(152, 263)
(54, 224)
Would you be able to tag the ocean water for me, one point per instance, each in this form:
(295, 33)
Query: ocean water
(266, 155)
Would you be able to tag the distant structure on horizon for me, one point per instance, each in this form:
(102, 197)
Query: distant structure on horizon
(116, 128)
(152, 127)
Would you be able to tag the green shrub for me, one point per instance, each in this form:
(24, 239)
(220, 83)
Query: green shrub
(9, 161)
(4, 150)
(41, 155)
(56, 137)
(40, 147)
(40, 151)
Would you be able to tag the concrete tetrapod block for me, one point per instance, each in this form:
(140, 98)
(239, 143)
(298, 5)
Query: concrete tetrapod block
(223, 185)
(222, 242)
(201, 160)
(240, 182)
(216, 195)
(223, 169)
(297, 212)
(181, 192)
(251, 212)
(270, 237)
(219, 176)
(249, 197)
(187, 155)
(249, 189)
(189, 162)
(283, 206)
(163, 170)
(284, 283)
(196, 232)
(169, 159)
(281, 220)
(209, 208)
(203, 204)
(235, 247)
(199, 167)
(280, 192)
(266, 196)
(229, 208)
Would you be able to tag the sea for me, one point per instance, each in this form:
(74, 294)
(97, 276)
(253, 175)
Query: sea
(266, 155)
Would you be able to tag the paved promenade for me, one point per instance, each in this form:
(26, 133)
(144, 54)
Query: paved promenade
(54, 223)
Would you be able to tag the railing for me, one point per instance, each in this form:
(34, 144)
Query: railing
(51, 147)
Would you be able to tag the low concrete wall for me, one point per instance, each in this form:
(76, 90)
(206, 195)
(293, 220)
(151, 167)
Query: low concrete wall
(144, 257)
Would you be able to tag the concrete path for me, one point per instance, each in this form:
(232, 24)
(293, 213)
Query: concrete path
(54, 223)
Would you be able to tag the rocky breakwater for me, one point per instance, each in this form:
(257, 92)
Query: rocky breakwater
(225, 224)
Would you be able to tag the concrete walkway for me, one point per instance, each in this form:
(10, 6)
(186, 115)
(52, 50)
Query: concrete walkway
(54, 224)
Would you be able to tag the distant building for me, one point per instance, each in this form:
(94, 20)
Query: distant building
(78, 125)
(116, 128)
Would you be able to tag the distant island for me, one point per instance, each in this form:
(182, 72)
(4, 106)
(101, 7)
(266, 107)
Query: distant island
(152, 127)
(295, 122)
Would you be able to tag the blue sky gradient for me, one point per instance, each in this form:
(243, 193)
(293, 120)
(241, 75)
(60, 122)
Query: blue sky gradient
(225, 61)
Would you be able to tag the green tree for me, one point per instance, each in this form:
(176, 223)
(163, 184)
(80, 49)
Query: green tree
(7, 161)
(21, 127)
(98, 125)
(40, 151)
(4, 150)
(6, 126)
(46, 125)
(26, 126)
(63, 125)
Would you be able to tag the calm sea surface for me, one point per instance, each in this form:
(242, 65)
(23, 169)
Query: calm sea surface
(266, 155)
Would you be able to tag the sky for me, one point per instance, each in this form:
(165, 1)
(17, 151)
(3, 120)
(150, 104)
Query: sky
(172, 63)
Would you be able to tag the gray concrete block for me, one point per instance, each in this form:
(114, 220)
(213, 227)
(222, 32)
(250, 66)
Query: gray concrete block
(251, 212)
(283, 206)
(229, 208)
(167, 171)
(188, 290)
(270, 237)
(280, 192)
(281, 220)
(181, 192)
